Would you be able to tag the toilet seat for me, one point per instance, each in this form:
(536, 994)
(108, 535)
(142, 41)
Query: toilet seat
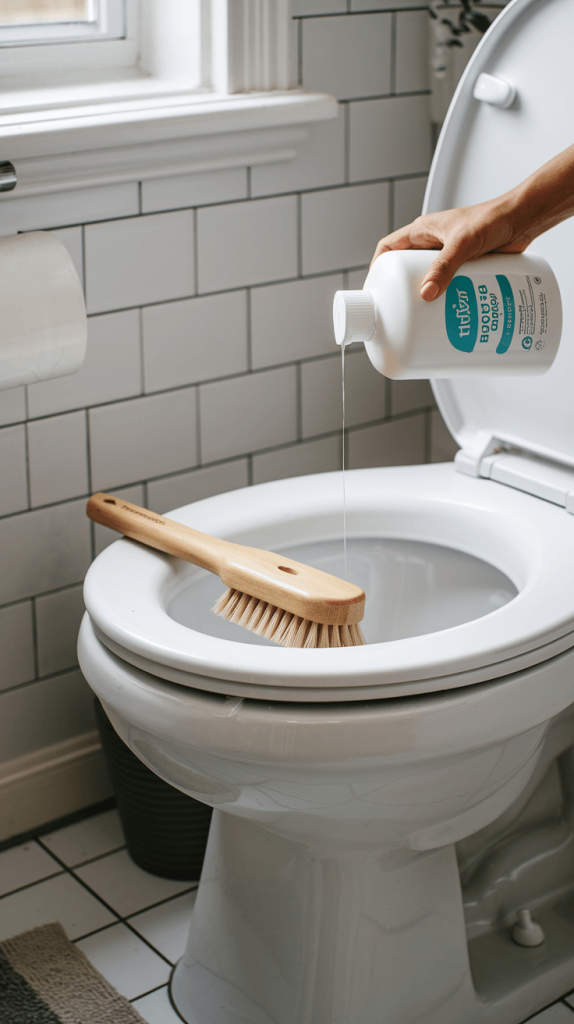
(128, 588)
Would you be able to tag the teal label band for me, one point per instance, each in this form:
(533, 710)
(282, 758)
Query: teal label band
(461, 314)
(508, 314)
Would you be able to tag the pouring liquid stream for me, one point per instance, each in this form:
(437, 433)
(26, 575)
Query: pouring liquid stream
(343, 473)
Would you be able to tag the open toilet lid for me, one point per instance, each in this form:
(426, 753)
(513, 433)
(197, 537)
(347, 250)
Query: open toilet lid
(483, 151)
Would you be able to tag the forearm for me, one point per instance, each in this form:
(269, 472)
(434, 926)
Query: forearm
(544, 199)
(508, 223)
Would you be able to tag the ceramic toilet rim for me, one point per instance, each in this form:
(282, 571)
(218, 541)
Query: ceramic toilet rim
(352, 693)
(525, 537)
(432, 725)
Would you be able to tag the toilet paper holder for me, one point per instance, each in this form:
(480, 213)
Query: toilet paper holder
(8, 176)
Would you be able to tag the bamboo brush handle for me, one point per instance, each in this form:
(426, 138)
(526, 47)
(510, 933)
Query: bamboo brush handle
(160, 533)
(276, 579)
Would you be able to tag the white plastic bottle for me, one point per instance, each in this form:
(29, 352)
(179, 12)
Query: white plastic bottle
(501, 314)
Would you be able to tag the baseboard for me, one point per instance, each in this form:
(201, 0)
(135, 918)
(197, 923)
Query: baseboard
(51, 783)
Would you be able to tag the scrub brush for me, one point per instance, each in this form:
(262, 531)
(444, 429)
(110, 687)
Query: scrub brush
(279, 599)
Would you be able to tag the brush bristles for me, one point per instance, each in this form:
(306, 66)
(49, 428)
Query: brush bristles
(282, 627)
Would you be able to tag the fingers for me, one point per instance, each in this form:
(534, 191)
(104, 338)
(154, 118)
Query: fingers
(398, 240)
(444, 267)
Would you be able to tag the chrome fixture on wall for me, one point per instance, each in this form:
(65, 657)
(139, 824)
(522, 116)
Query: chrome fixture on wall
(8, 179)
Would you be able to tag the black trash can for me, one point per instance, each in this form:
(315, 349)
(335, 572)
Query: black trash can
(166, 831)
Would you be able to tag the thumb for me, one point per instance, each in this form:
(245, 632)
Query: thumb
(441, 271)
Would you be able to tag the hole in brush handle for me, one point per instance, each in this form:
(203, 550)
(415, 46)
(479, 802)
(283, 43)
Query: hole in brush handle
(285, 568)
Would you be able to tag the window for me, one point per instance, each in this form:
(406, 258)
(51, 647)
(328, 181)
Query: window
(156, 87)
(36, 22)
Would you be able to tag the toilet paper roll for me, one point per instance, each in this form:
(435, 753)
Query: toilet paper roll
(43, 325)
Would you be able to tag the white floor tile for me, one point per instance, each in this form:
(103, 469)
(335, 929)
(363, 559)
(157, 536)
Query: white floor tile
(125, 886)
(86, 839)
(167, 926)
(23, 865)
(557, 1014)
(58, 899)
(157, 1009)
(125, 961)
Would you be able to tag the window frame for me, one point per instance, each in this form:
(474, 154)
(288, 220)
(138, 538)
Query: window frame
(196, 94)
(106, 20)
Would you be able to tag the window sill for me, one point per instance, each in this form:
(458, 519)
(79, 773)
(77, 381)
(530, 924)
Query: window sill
(152, 136)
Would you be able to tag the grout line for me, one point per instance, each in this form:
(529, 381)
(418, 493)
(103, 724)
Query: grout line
(195, 252)
(299, 400)
(141, 350)
(91, 860)
(83, 247)
(83, 814)
(249, 190)
(198, 432)
(140, 207)
(300, 51)
(42, 679)
(150, 991)
(30, 885)
(347, 142)
(394, 53)
(27, 463)
(35, 644)
(249, 330)
(391, 206)
(88, 451)
(299, 236)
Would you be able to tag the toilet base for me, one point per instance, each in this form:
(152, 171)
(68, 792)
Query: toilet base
(283, 934)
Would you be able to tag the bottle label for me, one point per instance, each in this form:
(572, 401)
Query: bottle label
(491, 312)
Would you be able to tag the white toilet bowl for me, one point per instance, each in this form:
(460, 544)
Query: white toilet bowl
(331, 886)
(383, 813)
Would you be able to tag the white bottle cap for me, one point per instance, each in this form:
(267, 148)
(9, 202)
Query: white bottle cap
(354, 317)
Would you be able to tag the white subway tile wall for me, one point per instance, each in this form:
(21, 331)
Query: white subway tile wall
(211, 363)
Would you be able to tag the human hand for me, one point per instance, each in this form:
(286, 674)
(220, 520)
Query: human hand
(460, 234)
(506, 224)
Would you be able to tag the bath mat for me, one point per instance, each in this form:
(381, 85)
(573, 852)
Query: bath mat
(45, 979)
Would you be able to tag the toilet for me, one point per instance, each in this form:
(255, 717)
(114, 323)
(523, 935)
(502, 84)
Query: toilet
(383, 813)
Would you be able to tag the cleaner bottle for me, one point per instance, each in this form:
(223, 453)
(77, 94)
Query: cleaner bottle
(501, 314)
